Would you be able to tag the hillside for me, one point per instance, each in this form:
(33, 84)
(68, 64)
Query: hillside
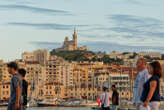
(79, 55)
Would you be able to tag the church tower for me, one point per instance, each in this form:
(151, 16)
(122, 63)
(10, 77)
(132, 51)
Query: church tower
(75, 38)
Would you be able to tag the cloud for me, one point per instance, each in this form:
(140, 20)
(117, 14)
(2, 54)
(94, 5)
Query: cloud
(129, 2)
(25, 2)
(127, 30)
(46, 45)
(102, 46)
(137, 26)
(108, 47)
(131, 20)
(36, 9)
(124, 29)
(48, 26)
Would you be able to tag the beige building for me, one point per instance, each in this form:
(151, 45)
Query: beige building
(71, 45)
(4, 75)
(84, 85)
(155, 55)
(52, 91)
(150, 54)
(116, 55)
(35, 77)
(83, 78)
(55, 77)
(130, 62)
(59, 73)
(4, 91)
(113, 76)
(5, 78)
(122, 83)
(28, 56)
(142, 54)
(40, 56)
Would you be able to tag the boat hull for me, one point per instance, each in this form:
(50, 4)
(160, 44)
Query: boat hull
(45, 105)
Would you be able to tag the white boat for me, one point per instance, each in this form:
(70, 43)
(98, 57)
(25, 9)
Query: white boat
(48, 102)
(4, 104)
(89, 104)
(32, 103)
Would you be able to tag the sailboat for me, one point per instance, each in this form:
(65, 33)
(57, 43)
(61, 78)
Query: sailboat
(32, 100)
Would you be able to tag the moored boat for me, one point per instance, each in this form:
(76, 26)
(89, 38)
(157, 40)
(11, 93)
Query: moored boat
(4, 104)
(47, 102)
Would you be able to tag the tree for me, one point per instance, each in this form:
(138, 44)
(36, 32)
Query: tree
(124, 53)
(79, 55)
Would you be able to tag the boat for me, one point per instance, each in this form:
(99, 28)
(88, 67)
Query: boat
(4, 104)
(89, 104)
(32, 103)
(78, 103)
(48, 102)
(73, 102)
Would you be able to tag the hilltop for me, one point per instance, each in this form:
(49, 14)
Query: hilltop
(80, 55)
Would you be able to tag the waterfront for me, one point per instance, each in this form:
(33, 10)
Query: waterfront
(53, 108)
(59, 108)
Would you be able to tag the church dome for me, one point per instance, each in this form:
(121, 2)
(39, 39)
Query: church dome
(66, 39)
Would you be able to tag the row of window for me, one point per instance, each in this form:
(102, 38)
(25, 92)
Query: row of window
(89, 89)
(38, 69)
(82, 94)
(5, 92)
(121, 83)
(51, 92)
(5, 86)
(120, 78)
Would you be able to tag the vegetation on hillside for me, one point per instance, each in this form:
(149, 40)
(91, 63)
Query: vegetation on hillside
(80, 56)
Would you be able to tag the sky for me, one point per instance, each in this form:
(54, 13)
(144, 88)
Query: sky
(102, 25)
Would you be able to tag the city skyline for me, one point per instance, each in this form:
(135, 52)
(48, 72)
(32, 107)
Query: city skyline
(28, 25)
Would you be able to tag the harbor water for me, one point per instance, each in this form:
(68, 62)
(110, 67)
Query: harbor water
(60, 108)
(52, 108)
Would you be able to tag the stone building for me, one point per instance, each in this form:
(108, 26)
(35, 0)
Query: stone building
(70, 45)
(41, 56)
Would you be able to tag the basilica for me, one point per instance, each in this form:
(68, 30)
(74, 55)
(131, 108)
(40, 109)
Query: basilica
(70, 45)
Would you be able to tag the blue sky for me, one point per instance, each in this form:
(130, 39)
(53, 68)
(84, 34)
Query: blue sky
(106, 25)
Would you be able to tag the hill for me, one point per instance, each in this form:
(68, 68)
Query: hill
(80, 55)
